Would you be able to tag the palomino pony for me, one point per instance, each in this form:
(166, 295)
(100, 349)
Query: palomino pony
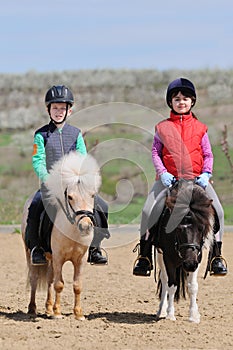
(185, 228)
(73, 182)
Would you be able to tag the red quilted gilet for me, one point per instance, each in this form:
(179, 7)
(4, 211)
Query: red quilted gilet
(181, 136)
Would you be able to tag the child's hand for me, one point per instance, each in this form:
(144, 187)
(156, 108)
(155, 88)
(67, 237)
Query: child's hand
(203, 180)
(167, 179)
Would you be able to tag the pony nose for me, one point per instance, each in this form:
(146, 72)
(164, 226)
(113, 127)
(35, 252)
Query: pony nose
(190, 266)
(85, 226)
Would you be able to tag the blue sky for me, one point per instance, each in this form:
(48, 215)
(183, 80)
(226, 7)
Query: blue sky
(57, 35)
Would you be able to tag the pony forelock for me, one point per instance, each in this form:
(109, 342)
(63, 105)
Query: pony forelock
(194, 199)
(74, 168)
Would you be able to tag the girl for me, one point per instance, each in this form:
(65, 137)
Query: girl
(181, 149)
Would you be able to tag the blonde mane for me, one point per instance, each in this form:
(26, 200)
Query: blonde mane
(74, 168)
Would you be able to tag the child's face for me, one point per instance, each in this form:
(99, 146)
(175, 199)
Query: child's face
(58, 112)
(181, 104)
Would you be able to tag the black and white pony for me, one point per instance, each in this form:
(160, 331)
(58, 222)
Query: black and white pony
(184, 229)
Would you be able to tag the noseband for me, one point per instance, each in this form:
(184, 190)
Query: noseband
(71, 216)
(179, 247)
(185, 246)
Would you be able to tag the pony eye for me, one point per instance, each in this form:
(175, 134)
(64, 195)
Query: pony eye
(70, 197)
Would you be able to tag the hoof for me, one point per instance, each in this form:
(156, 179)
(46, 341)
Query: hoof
(57, 317)
(49, 314)
(32, 312)
(159, 317)
(194, 319)
(80, 318)
(170, 317)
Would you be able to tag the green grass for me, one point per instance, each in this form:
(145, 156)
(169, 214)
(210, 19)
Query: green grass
(11, 211)
(129, 215)
(228, 214)
(19, 168)
(222, 169)
(5, 139)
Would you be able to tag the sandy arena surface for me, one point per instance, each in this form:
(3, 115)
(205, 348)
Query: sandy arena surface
(119, 308)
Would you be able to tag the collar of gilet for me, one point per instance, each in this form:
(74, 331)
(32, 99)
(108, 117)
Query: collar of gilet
(178, 117)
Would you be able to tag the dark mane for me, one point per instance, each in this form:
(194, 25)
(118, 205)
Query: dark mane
(187, 196)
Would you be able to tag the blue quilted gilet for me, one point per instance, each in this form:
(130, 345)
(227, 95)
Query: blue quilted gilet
(57, 144)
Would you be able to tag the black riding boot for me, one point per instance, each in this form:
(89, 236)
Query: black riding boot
(95, 256)
(33, 243)
(218, 266)
(144, 260)
(101, 231)
(32, 238)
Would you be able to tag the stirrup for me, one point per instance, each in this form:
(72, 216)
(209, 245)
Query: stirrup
(140, 257)
(40, 262)
(225, 265)
(105, 255)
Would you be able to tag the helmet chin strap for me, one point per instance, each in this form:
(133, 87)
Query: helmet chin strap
(64, 119)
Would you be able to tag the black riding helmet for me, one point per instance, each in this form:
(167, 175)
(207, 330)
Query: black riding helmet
(183, 85)
(59, 94)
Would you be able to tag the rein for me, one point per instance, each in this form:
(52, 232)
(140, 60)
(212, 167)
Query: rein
(184, 246)
(71, 217)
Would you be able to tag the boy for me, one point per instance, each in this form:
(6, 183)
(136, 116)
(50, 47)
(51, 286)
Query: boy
(51, 142)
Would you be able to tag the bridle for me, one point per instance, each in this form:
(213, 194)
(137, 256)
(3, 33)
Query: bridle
(179, 247)
(183, 226)
(71, 214)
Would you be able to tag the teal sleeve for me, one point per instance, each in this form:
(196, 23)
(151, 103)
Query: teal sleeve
(80, 146)
(39, 158)
(39, 155)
